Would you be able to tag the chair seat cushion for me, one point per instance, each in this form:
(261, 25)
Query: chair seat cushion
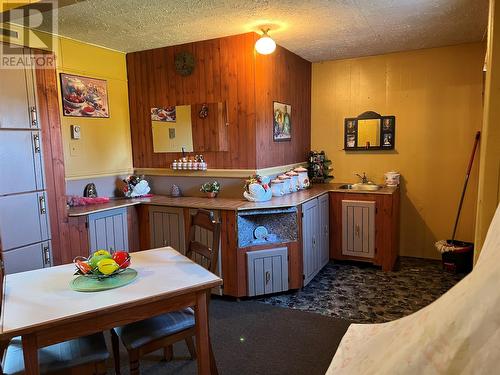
(137, 334)
(58, 357)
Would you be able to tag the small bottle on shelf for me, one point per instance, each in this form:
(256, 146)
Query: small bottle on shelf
(174, 164)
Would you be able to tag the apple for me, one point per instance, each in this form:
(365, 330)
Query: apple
(122, 258)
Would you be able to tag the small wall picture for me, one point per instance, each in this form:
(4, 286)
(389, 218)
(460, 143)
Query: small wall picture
(282, 122)
(84, 96)
(387, 125)
(351, 140)
(167, 114)
(351, 128)
(387, 140)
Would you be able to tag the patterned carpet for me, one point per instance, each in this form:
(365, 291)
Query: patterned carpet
(364, 294)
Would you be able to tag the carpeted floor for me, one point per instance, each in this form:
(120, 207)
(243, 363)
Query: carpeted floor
(249, 337)
(362, 293)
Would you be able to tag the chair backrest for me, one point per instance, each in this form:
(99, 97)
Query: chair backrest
(204, 219)
(2, 275)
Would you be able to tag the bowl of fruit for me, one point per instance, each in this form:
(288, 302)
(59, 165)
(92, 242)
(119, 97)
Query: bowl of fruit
(102, 264)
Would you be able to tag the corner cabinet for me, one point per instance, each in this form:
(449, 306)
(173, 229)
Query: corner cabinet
(315, 236)
(366, 227)
(167, 227)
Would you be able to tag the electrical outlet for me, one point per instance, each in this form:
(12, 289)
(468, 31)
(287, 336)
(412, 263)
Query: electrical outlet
(171, 133)
(74, 148)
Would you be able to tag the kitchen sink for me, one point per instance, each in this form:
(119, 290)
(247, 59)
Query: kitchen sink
(368, 187)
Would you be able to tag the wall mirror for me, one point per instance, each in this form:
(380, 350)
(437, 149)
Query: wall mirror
(369, 131)
(192, 128)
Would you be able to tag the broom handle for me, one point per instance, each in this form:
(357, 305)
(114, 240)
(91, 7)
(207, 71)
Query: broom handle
(476, 141)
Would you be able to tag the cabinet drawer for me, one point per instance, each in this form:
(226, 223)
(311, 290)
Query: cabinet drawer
(267, 271)
(23, 219)
(28, 258)
(358, 228)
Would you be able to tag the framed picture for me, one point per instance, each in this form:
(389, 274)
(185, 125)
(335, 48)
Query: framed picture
(84, 96)
(282, 122)
(167, 114)
(369, 131)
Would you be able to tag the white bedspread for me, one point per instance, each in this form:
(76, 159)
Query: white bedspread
(457, 334)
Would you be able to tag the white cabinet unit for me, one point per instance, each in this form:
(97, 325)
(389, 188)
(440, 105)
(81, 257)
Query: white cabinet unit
(315, 236)
(167, 227)
(358, 228)
(267, 271)
(28, 257)
(108, 230)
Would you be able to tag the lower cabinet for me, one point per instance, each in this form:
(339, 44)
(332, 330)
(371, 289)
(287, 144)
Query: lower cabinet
(358, 228)
(27, 258)
(167, 227)
(315, 236)
(267, 271)
(108, 230)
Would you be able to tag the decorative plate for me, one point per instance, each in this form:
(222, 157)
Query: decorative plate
(87, 284)
(260, 232)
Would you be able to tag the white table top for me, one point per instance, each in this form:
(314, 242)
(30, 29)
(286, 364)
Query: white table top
(41, 296)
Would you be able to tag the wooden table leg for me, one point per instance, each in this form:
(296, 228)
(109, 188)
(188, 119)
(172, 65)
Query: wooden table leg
(30, 352)
(202, 339)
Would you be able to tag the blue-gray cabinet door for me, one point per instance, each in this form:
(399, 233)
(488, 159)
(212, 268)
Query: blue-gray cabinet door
(17, 99)
(358, 228)
(28, 258)
(324, 229)
(108, 230)
(20, 161)
(167, 227)
(23, 219)
(267, 271)
(310, 239)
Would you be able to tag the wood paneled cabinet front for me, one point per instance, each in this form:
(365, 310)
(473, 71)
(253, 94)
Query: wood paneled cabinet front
(366, 227)
(315, 236)
(167, 227)
(108, 230)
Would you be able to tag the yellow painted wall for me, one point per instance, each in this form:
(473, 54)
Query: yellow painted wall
(105, 145)
(489, 171)
(435, 95)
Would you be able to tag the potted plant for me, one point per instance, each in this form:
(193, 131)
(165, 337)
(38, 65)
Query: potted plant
(211, 189)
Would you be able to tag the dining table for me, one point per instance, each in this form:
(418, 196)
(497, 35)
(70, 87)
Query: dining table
(42, 308)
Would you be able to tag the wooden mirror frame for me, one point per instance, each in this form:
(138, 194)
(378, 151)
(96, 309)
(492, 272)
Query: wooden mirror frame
(351, 129)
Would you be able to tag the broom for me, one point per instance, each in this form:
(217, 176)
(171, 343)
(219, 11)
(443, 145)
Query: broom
(444, 246)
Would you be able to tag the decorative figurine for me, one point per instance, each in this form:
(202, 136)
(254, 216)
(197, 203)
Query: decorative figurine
(175, 191)
(90, 191)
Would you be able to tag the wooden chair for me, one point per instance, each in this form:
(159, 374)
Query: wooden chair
(146, 336)
(84, 355)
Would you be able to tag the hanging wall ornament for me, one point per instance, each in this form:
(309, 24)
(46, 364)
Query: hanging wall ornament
(203, 111)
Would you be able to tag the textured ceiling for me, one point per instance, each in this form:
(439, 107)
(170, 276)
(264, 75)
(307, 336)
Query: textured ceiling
(316, 29)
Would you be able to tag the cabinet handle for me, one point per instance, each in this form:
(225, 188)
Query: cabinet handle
(36, 143)
(43, 208)
(357, 230)
(268, 277)
(34, 117)
(46, 255)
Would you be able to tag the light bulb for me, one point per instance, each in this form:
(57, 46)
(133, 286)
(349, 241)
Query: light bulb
(265, 45)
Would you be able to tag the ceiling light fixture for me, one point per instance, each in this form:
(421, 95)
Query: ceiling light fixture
(265, 45)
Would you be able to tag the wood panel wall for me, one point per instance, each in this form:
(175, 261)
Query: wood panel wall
(227, 70)
(224, 72)
(284, 77)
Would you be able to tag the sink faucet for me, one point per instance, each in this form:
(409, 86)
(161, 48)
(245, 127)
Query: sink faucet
(364, 179)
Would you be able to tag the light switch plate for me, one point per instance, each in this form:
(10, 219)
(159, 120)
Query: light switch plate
(171, 133)
(75, 132)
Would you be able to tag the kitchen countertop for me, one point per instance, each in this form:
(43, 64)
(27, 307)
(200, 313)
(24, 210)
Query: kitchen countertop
(236, 204)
